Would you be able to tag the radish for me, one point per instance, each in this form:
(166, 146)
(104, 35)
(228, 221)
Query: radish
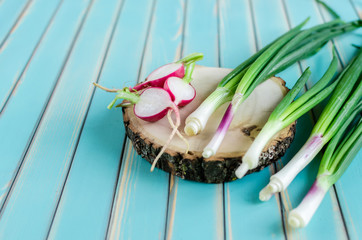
(181, 92)
(155, 102)
(158, 77)
(151, 105)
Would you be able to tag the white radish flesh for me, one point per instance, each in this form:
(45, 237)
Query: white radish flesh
(181, 92)
(153, 104)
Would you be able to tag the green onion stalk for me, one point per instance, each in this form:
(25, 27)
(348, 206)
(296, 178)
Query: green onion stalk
(287, 112)
(344, 99)
(339, 154)
(196, 121)
(261, 65)
(289, 48)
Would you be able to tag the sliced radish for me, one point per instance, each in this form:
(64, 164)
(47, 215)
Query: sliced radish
(166, 71)
(158, 77)
(182, 93)
(153, 104)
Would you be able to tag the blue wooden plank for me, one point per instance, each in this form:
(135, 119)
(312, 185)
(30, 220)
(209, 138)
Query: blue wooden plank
(20, 46)
(357, 5)
(246, 217)
(11, 13)
(242, 208)
(34, 92)
(139, 210)
(200, 36)
(350, 198)
(346, 187)
(344, 43)
(37, 188)
(165, 40)
(195, 210)
(89, 176)
(237, 40)
(140, 203)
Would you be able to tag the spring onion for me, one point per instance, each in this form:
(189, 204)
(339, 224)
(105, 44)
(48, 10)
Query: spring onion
(287, 112)
(328, 8)
(318, 37)
(336, 159)
(345, 97)
(274, 58)
(258, 71)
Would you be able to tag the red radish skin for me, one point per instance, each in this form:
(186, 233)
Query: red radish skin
(158, 77)
(182, 93)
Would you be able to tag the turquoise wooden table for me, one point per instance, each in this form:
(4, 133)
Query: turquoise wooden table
(67, 170)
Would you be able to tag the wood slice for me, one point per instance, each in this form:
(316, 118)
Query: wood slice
(148, 138)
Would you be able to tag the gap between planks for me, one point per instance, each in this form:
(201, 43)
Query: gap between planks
(223, 189)
(173, 183)
(15, 25)
(17, 81)
(112, 220)
(33, 133)
(356, 9)
(104, 57)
